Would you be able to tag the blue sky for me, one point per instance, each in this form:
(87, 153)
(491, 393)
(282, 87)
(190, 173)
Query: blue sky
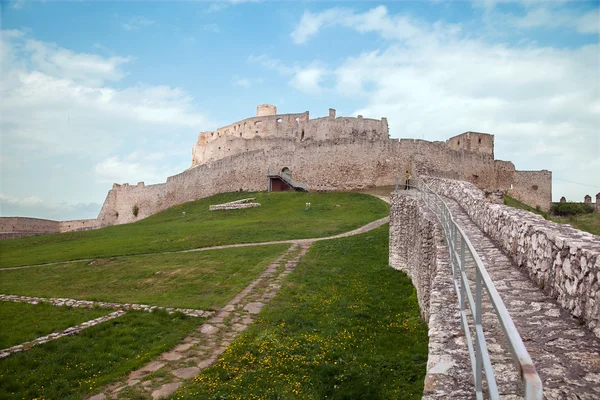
(96, 92)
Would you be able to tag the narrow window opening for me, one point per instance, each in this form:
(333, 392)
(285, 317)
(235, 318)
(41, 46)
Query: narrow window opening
(279, 120)
(302, 135)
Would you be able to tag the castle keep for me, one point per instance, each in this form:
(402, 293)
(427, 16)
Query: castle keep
(327, 153)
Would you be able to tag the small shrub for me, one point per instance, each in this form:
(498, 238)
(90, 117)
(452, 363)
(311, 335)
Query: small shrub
(570, 208)
(135, 210)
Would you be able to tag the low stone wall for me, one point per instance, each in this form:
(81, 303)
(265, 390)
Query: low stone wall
(411, 246)
(418, 248)
(235, 205)
(561, 260)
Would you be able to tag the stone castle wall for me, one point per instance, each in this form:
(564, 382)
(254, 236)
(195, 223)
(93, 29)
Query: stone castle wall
(473, 141)
(351, 163)
(418, 248)
(15, 227)
(533, 188)
(329, 153)
(293, 128)
(565, 262)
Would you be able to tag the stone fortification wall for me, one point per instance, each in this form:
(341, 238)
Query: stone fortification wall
(565, 262)
(473, 141)
(77, 225)
(351, 163)
(28, 225)
(241, 136)
(533, 188)
(412, 247)
(418, 248)
(15, 227)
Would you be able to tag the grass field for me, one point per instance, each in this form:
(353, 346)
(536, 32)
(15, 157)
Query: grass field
(282, 216)
(22, 322)
(585, 222)
(201, 280)
(344, 326)
(71, 367)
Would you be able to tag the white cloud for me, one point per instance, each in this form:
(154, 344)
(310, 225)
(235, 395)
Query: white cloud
(58, 62)
(375, 20)
(236, 81)
(136, 23)
(223, 4)
(135, 167)
(17, 4)
(307, 78)
(547, 17)
(60, 107)
(541, 102)
(213, 28)
(45, 86)
(25, 201)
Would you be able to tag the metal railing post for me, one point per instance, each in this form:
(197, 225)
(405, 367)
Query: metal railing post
(462, 266)
(478, 345)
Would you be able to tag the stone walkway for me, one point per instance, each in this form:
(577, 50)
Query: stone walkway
(565, 354)
(202, 348)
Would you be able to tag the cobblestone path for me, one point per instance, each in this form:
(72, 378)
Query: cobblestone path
(566, 354)
(202, 348)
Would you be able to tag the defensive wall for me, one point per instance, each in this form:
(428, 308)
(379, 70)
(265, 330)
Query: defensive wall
(328, 153)
(418, 248)
(14, 227)
(564, 262)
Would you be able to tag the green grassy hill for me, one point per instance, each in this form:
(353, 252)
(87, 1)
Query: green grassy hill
(585, 222)
(282, 216)
(343, 325)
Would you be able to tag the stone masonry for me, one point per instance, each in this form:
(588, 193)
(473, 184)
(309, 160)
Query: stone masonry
(418, 247)
(564, 262)
(566, 354)
(331, 153)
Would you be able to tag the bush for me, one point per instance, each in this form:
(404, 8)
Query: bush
(135, 210)
(571, 208)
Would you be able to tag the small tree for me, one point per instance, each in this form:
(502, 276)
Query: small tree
(135, 210)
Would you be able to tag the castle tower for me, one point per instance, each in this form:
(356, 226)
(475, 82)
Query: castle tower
(266, 109)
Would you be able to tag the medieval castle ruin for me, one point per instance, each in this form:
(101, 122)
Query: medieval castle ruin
(326, 154)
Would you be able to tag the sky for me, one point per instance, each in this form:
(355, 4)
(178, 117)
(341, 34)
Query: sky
(98, 92)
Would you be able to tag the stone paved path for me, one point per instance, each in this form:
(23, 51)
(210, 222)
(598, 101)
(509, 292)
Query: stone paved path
(566, 355)
(202, 348)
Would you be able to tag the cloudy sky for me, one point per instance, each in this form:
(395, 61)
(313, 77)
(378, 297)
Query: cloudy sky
(96, 92)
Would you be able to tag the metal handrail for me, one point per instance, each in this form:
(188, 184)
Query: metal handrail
(288, 179)
(458, 244)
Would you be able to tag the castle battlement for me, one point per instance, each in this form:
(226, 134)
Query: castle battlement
(267, 125)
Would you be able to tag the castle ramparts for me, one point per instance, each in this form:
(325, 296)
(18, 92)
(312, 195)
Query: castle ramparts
(327, 153)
